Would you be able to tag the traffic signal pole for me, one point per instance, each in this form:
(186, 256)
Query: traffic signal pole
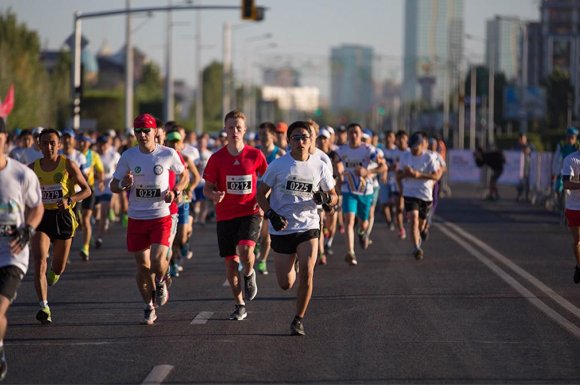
(78, 16)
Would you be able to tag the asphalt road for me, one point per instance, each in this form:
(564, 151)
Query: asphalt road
(493, 302)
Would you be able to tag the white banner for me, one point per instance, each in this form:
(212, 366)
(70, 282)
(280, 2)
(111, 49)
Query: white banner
(462, 167)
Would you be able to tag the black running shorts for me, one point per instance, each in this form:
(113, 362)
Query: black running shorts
(422, 206)
(10, 278)
(288, 243)
(233, 231)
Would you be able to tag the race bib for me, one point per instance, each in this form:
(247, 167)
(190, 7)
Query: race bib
(239, 184)
(51, 193)
(148, 192)
(296, 185)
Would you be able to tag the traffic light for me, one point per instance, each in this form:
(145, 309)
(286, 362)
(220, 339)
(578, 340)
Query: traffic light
(249, 11)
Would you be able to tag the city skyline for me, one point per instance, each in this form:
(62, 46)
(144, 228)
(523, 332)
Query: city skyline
(314, 28)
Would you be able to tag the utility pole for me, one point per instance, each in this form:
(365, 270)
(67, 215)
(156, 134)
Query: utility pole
(199, 73)
(461, 114)
(128, 69)
(472, 109)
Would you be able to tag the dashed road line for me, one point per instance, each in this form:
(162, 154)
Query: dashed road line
(202, 318)
(157, 375)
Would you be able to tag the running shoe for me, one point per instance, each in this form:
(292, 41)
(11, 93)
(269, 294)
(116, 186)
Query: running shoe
(402, 234)
(322, 259)
(328, 250)
(111, 215)
(44, 316)
(364, 240)
(173, 270)
(239, 313)
(425, 234)
(250, 286)
(418, 253)
(99, 243)
(85, 253)
(161, 293)
(577, 274)
(179, 267)
(350, 258)
(149, 315)
(297, 328)
(3, 365)
(263, 267)
(52, 278)
(391, 226)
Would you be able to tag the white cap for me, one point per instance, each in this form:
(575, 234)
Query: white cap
(112, 133)
(37, 130)
(324, 132)
(330, 129)
(129, 131)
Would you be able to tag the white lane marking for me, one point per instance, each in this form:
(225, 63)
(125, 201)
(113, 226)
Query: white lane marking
(518, 270)
(528, 295)
(226, 283)
(201, 318)
(157, 375)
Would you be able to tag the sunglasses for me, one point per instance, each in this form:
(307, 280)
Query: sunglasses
(145, 130)
(299, 138)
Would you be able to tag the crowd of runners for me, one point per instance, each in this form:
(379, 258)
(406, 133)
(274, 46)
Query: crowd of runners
(284, 193)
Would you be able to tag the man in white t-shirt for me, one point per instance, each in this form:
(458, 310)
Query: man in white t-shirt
(21, 211)
(418, 171)
(144, 171)
(571, 177)
(298, 181)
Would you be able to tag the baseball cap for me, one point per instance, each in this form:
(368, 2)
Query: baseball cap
(572, 131)
(174, 136)
(84, 138)
(3, 126)
(103, 138)
(37, 130)
(223, 134)
(415, 140)
(111, 133)
(325, 133)
(281, 127)
(341, 129)
(68, 131)
(145, 121)
(329, 129)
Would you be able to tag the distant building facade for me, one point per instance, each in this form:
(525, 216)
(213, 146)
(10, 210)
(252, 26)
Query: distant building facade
(351, 78)
(433, 47)
(503, 41)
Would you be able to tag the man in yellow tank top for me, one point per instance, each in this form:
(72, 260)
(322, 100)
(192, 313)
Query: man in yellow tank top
(58, 177)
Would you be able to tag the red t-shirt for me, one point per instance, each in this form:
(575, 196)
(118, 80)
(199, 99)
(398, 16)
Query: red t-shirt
(237, 177)
(172, 183)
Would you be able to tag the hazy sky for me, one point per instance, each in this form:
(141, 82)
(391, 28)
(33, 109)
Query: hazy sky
(303, 31)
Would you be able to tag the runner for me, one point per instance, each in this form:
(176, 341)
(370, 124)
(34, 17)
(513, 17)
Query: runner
(58, 176)
(357, 186)
(267, 135)
(230, 182)
(144, 171)
(402, 142)
(201, 208)
(369, 138)
(105, 197)
(21, 211)
(571, 181)
(26, 152)
(418, 171)
(94, 172)
(298, 182)
(388, 181)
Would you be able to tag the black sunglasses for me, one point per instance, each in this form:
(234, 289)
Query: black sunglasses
(298, 138)
(145, 130)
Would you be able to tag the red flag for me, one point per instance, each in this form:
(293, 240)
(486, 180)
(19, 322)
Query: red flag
(8, 104)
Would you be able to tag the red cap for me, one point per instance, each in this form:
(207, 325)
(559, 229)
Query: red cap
(144, 121)
(281, 127)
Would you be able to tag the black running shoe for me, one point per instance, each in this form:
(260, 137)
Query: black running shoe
(250, 286)
(577, 274)
(418, 253)
(3, 365)
(239, 313)
(297, 328)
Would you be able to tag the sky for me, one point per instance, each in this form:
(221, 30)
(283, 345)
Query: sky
(302, 32)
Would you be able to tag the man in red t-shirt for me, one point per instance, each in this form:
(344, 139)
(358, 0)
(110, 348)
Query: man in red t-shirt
(230, 183)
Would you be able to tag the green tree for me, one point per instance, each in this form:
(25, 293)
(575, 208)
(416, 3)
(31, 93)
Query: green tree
(20, 65)
(212, 94)
(150, 88)
(559, 92)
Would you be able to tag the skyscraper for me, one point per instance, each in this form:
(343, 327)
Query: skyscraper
(351, 85)
(503, 40)
(433, 47)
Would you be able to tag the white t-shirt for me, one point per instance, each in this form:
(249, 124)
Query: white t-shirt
(25, 155)
(363, 156)
(110, 160)
(201, 162)
(414, 187)
(19, 187)
(571, 167)
(150, 179)
(191, 152)
(293, 184)
(391, 156)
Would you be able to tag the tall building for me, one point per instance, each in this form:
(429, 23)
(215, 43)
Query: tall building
(433, 47)
(351, 83)
(503, 39)
(561, 41)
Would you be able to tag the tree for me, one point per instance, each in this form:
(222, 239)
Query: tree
(559, 92)
(20, 65)
(212, 92)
